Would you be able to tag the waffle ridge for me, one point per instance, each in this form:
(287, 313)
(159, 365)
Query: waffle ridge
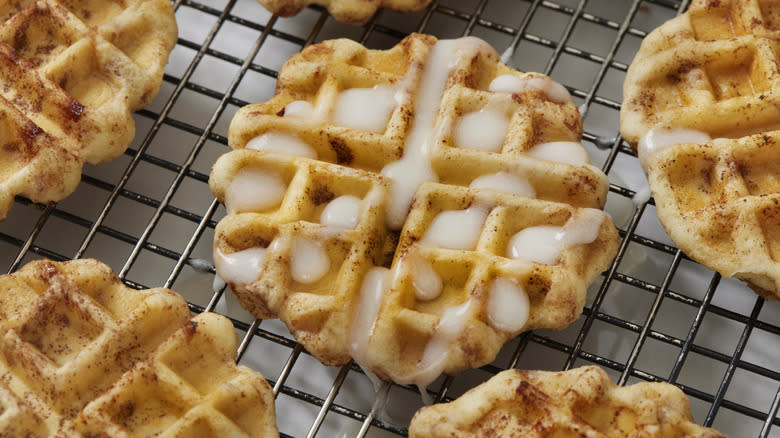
(349, 161)
(74, 71)
(714, 70)
(72, 335)
(579, 402)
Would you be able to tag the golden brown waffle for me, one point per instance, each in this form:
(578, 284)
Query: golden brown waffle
(712, 69)
(719, 202)
(345, 11)
(73, 71)
(579, 402)
(712, 73)
(284, 256)
(190, 386)
(70, 334)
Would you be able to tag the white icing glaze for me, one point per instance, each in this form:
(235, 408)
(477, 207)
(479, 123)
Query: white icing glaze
(457, 229)
(513, 84)
(281, 142)
(372, 290)
(308, 261)
(451, 324)
(508, 306)
(242, 267)
(221, 306)
(366, 109)
(507, 84)
(582, 228)
(505, 182)
(425, 280)
(569, 152)
(657, 139)
(407, 175)
(299, 108)
(426, 398)
(378, 384)
(642, 195)
(539, 244)
(506, 55)
(342, 212)
(218, 284)
(254, 189)
(544, 244)
(483, 130)
(200, 265)
(414, 167)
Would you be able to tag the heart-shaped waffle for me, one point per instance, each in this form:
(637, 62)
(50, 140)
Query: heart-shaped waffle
(345, 11)
(72, 72)
(367, 160)
(81, 354)
(579, 402)
(713, 73)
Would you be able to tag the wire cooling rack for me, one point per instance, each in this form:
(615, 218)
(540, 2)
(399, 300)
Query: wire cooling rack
(653, 316)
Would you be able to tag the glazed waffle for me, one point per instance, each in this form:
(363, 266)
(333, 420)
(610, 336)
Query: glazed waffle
(579, 402)
(345, 11)
(407, 326)
(72, 72)
(713, 73)
(281, 226)
(71, 332)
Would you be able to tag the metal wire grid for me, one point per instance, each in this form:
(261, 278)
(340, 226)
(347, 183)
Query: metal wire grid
(653, 316)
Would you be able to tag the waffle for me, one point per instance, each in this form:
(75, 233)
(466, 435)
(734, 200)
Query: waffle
(190, 386)
(354, 255)
(72, 72)
(712, 73)
(78, 349)
(712, 69)
(579, 402)
(345, 11)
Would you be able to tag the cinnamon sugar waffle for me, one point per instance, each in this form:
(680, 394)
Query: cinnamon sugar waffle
(712, 69)
(189, 386)
(367, 160)
(345, 11)
(579, 402)
(712, 73)
(73, 71)
(70, 334)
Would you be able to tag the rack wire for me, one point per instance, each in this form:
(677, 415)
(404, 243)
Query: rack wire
(654, 315)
